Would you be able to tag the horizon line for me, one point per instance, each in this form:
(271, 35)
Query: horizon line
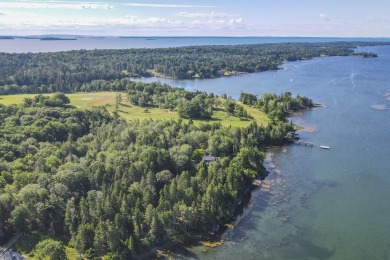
(188, 36)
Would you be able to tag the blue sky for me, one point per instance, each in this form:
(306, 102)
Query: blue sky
(339, 18)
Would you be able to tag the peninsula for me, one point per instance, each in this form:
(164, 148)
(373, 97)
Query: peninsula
(68, 71)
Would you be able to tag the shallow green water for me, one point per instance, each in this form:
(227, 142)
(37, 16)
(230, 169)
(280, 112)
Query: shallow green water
(322, 204)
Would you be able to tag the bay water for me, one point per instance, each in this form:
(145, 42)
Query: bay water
(322, 204)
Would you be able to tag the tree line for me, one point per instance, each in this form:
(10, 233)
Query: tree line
(67, 71)
(277, 107)
(188, 104)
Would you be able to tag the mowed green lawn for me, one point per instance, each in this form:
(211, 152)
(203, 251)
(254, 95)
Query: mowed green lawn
(131, 112)
(80, 100)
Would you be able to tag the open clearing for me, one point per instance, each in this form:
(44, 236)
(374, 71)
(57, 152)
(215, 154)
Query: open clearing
(131, 112)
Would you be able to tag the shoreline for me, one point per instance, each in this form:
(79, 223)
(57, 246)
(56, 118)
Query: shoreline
(255, 193)
(195, 247)
(259, 186)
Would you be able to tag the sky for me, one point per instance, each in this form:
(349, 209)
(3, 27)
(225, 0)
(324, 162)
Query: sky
(307, 18)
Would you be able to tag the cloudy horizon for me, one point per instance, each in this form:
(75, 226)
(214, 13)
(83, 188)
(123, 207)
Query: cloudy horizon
(305, 18)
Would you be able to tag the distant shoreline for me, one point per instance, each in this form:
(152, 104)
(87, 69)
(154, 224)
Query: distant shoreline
(25, 45)
(57, 39)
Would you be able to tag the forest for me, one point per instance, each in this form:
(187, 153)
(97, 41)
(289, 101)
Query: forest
(92, 181)
(67, 71)
(108, 187)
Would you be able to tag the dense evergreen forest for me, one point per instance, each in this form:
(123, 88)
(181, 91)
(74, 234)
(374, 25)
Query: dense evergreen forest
(68, 71)
(109, 187)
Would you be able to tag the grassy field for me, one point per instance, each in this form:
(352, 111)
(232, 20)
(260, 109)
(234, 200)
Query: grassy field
(131, 112)
(80, 100)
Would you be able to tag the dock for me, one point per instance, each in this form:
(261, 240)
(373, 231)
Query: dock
(304, 143)
(256, 183)
(311, 144)
(265, 186)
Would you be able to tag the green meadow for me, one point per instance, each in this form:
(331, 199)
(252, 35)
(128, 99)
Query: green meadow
(131, 112)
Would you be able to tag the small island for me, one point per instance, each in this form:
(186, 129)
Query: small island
(365, 54)
(57, 39)
(7, 38)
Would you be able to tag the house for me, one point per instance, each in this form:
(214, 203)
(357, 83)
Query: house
(209, 158)
(10, 255)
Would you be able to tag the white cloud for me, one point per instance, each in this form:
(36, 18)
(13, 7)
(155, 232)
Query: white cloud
(211, 15)
(54, 5)
(19, 22)
(210, 18)
(168, 5)
(79, 5)
(36, 15)
(235, 21)
(155, 20)
(324, 16)
(25, 21)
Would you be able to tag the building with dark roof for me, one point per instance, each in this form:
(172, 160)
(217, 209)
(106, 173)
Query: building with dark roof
(10, 255)
(209, 158)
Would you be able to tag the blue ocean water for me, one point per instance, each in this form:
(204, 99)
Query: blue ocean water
(322, 204)
(89, 43)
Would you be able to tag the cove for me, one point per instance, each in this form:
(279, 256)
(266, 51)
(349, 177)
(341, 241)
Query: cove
(322, 204)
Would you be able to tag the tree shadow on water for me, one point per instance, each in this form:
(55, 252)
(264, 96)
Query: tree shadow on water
(308, 250)
(183, 253)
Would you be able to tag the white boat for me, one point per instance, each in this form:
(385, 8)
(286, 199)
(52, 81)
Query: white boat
(324, 147)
